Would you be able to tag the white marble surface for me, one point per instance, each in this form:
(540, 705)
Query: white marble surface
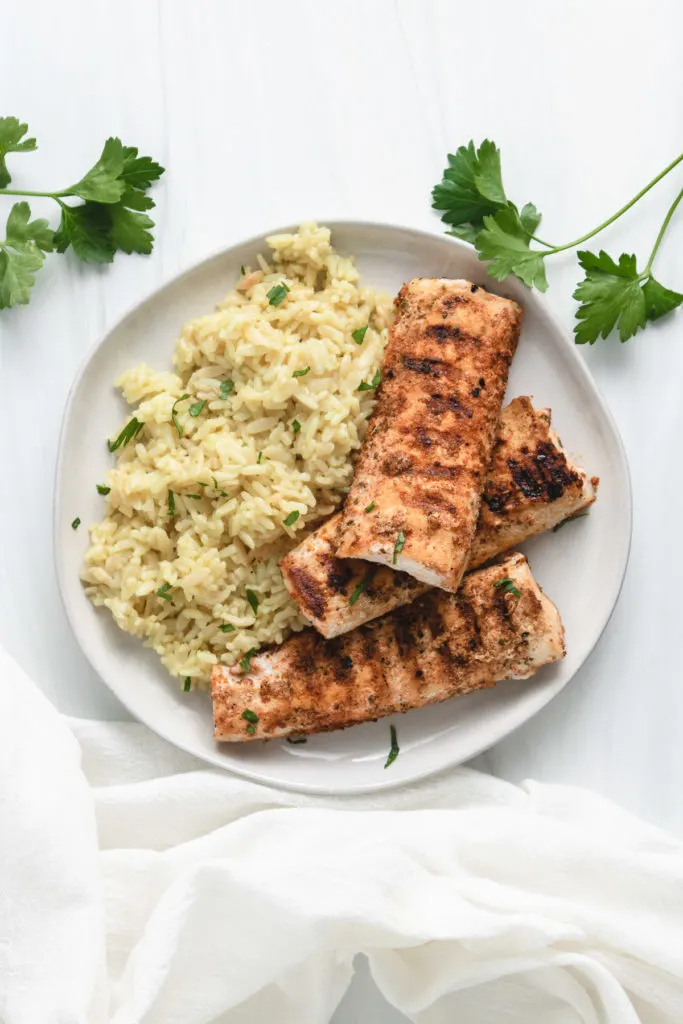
(265, 113)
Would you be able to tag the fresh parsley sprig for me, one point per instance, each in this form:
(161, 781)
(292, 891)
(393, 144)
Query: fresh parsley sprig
(112, 217)
(614, 294)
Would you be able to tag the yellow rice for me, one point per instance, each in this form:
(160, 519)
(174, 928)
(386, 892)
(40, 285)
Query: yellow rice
(241, 466)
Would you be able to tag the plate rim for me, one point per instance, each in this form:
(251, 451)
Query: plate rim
(255, 775)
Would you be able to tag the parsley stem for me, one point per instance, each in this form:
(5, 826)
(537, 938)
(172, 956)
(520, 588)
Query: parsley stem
(540, 241)
(40, 195)
(662, 230)
(615, 216)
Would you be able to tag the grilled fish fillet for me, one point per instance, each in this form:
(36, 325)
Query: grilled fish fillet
(424, 461)
(532, 486)
(439, 647)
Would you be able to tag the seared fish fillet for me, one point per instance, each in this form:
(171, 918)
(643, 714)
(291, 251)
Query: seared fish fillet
(439, 647)
(424, 461)
(532, 486)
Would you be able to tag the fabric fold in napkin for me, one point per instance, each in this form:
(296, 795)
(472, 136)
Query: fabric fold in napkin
(136, 885)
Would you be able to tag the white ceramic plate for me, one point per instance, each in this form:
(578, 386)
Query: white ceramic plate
(581, 567)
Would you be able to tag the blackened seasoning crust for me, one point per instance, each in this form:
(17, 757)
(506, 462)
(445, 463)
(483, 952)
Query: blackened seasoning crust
(516, 506)
(446, 338)
(439, 647)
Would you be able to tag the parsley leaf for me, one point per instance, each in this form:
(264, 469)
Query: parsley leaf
(471, 189)
(569, 519)
(253, 600)
(171, 503)
(17, 269)
(659, 300)
(187, 685)
(174, 415)
(246, 660)
(227, 627)
(258, 458)
(398, 546)
(369, 508)
(139, 172)
(86, 229)
(362, 586)
(196, 409)
(375, 383)
(129, 432)
(20, 231)
(250, 716)
(505, 243)
(301, 373)
(359, 335)
(507, 585)
(227, 388)
(103, 182)
(22, 254)
(616, 295)
(291, 518)
(12, 132)
(129, 228)
(101, 489)
(76, 523)
(164, 592)
(277, 294)
(296, 426)
(394, 749)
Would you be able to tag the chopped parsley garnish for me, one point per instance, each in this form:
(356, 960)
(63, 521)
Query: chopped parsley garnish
(359, 335)
(244, 663)
(362, 586)
(291, 518)
(227, 388)
(227, 627)
(250, 716)
(243, 270)
(197, 497)
(394, 749)
(76, 523)
(187, 686)
(507, 586)
(277, 293)
(251, 729)
(102, 489)
(296, 740)
(374, 383)
(253, 600)
(569, 519)
(131, 430)
(296, 426)
(398, 546)
(369, 508)
(196, 408)
(301, 373)
(171, 503)
(164, 592)
(258, 459)
(222, 494)
(174, 416)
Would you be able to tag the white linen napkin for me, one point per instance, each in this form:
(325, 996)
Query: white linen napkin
(138, 886)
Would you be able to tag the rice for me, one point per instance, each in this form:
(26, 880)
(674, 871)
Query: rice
(232, 444)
